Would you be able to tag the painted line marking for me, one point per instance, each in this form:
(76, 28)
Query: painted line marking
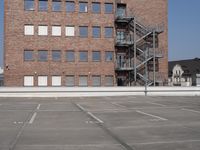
(116, 104)
(33, 118)
(38, 107)
(160, 118)
(90, 114)
(195, 111)
(157, 104)
(94, 117)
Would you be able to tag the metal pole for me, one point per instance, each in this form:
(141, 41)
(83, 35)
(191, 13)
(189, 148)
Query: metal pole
(146, 72)
(154, 59)
(135, 71)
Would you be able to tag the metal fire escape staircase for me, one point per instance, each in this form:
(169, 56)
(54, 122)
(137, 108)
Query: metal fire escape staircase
(141, 41)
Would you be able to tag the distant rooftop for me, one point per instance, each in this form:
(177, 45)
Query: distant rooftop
(190, 66)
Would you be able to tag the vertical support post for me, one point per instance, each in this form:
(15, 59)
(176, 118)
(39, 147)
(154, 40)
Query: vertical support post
(135, 48)
(154, 58)
(146, 70)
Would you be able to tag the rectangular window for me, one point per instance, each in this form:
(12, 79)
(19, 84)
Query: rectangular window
(69, 31)
(108, 8)
(109, 80)
(96, 80)
(28, 81)
(70, 6)
(43, 5)
(42, 80)
(56, 30)
(108, 32)
(43, 30)
(96, 7)
(83, 56)
(56, 55)
(96, 32)
(109, 56)
(28, 55)
(70, 81)
(96, 56)
(56, 81)
(28, 30)
(42, 55)
(28, 4)
(70, 56)
(83, 31)
(83, 7)
(83, 81)
(56, 5)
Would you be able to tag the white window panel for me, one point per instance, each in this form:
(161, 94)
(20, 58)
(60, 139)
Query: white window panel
(69, 31)
(42, 80)
(56, 80)
(42, 30)
(28, 81)
(28, 30)
(56, 30)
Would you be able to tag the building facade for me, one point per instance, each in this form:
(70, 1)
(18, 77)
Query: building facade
(184, 72)
(85, 43)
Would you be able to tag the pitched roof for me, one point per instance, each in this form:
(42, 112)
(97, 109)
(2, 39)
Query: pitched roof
(190, 66)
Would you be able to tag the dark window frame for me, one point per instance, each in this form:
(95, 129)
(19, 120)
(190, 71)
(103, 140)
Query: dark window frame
(80, 9)
(106, 56)
(106, 9)
(53, 7)
(93, 7)
(73, 76)
(66, 56)
(80, 32)
(32, 58)
(83, 60)
(60, 55)
(25, 8)
(106, 32)
(70, 2)
(46, 8)
(93, 31)
(39, 58)
(96, 60)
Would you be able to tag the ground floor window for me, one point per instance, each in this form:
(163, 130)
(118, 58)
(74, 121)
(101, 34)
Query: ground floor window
(28, 81)
(42, 80)
(56, 80)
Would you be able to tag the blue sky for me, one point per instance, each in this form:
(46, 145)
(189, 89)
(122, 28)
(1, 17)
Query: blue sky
(184, 29)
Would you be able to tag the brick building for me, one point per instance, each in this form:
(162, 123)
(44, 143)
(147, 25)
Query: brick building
(85, 42)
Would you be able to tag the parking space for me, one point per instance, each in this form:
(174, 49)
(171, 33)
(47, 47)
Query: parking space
(99, 123)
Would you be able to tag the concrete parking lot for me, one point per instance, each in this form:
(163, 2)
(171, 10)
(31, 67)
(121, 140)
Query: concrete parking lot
(100, 123)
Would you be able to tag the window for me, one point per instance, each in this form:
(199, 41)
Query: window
(42, 55)
(109, 81)
(42, 80)
(96, 32)
(28, 4)
(70, 6)
(42, 30)
(43, 5)
(56, 81)
(56, 30)
(108, 8)
(56, 55)
(96, 7)
(28, 30)
(83, 7)
(69, 31)
(109, 56)
(96, 80)
(28, 55)
(70, 56)
(121, 10)
(108, 32)
(56, 5)
(96, 56)
(70, 80)
(83, 56)
(28, 81)
(83, 81)
(83, 31)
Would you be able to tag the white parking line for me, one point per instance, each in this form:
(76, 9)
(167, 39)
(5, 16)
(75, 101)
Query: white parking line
(116, 104)
(94, 117)
(38, 107)
(157, 104)
(160, 118)
(33, 118)
(195, 111)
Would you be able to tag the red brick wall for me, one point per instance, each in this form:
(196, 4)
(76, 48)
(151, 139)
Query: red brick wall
(152, 11)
